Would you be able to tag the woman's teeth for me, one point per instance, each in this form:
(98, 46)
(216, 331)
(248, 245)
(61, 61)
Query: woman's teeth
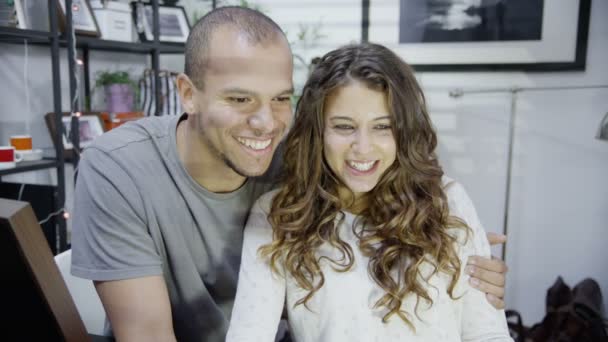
(361, 166)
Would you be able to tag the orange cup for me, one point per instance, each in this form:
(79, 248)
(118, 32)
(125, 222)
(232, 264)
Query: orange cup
(22, 142)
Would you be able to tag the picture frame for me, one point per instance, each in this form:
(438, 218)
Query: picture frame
(83, 19)
(31, 15)
(173, 22)
(602, 131)
(547, 35)
(91, 126)
(20, 14)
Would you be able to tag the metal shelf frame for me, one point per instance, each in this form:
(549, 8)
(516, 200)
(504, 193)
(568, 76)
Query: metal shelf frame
(51, 39)
(55, 40)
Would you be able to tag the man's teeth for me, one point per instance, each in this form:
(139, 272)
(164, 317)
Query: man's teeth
(361, 166)
(255, 144)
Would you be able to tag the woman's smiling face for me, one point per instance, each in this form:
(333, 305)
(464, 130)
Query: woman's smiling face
(358, 139)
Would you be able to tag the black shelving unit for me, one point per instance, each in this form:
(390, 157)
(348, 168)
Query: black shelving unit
(19, 34)
(26, 166)
(88, 44)
(52, 39)
(55, 40)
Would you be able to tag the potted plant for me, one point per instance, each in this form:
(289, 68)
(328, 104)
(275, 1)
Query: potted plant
(119, 90)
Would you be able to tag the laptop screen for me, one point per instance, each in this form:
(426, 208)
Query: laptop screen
(36, 302)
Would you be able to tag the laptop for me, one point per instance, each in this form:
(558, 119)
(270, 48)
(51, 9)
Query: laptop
(36, 302)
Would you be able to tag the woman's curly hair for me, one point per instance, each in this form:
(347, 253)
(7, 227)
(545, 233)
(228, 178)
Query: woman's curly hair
(406, 221)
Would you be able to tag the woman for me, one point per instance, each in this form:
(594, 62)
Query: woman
(365, 240)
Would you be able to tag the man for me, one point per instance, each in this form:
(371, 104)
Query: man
(161, 203)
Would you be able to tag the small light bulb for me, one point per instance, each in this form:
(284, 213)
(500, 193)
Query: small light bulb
(79, 61)
(78, 114)
(66, 215)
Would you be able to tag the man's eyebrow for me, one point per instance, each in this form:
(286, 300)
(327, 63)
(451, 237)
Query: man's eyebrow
(289, 91)
(238, 91)
(242, 91)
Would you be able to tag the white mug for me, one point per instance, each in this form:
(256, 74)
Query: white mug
(9, 157)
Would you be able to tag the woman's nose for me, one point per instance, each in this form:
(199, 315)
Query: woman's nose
(362, 143)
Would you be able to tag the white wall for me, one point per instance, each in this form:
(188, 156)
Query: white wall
(559, 196)
(558, 213)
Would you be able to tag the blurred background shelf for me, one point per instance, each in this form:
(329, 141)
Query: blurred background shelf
(18, 36)
(26, 166)
(21, 34)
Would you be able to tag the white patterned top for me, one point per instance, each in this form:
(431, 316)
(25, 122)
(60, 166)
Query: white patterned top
(343, 309)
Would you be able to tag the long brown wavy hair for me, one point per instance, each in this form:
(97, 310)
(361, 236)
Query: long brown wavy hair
(405, 221)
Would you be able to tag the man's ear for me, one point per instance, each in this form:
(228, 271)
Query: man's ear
(186, 90)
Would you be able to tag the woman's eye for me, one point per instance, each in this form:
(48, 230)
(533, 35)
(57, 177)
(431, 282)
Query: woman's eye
(383, 127)
(343, 127)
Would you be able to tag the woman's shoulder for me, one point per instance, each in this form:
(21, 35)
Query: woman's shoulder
(455, 193)
(462, 206)
(264, 202)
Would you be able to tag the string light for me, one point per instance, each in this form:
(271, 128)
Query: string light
(51, 215)
(77, 61)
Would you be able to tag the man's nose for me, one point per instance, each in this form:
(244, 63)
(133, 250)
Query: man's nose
(262, 121)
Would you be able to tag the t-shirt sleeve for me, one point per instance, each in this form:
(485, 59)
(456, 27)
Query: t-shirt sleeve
(480, 321)
(260, 293)
(110, 238)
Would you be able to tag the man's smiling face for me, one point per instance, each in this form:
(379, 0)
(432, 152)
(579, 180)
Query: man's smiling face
(244, 104)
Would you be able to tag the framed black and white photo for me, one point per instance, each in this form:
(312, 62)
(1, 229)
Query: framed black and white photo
(482, 35)
(90, 126)
(173, 23)
(83, 19)
(12, 14)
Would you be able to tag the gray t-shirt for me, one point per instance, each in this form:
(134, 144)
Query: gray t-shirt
(137, 213)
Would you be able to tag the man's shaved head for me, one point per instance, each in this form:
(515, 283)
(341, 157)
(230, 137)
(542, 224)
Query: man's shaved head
(254, 26)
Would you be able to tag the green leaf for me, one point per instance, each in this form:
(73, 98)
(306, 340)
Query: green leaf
(105, 78)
